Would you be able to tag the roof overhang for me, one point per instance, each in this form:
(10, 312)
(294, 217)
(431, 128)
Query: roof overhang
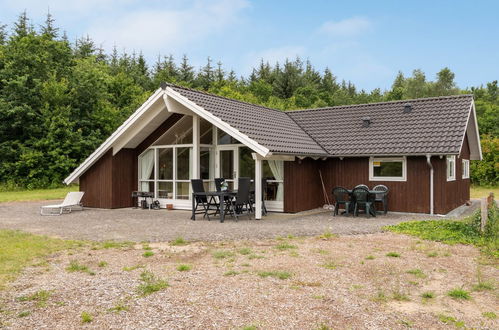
(471, 131)
(115, 138)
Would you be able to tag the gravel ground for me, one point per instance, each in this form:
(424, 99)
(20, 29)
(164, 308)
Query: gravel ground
(329, 282)
(161, 225)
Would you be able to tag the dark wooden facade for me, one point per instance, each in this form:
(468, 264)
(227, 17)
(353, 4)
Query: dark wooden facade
(110, 181)
(303, 189)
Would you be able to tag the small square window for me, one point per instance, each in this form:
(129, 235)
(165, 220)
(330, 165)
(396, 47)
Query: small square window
(451, 168)
(466, 169)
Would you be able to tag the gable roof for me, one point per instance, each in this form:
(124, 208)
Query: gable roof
(271, 128)
(434, 126)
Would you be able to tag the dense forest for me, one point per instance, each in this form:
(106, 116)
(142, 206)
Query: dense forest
(60, 99)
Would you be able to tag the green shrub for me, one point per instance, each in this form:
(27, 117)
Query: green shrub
(150, 284)
(86, 317)
(459, 293)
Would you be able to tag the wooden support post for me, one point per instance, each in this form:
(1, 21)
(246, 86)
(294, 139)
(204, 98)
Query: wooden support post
(483, 214)
(258, 188)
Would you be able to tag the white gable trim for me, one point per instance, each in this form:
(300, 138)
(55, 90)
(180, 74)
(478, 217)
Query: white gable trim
(473, 135)
(208, 116)
(106, 145)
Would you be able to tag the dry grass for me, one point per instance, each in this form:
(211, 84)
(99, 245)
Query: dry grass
(330, 285)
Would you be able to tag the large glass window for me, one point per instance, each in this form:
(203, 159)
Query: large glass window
(165, 166)
(246, 163)
(146, 171)
(273, 173)
(387, 169)
(205, 132)
(180, 133)
(224, 138)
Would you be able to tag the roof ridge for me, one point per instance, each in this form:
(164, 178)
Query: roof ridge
(219, 96)
(384, 102)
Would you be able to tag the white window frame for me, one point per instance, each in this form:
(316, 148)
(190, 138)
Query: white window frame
(466, 169)
(402, 159)
(450, 159)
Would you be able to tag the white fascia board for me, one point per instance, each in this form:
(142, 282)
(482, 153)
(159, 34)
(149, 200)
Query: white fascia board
(106, 145)
(208, 116)
(271, 156)
(473, 134)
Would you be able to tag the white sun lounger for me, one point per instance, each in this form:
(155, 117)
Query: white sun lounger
(71, 202)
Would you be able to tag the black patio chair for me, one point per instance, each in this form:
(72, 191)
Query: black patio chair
(362, 186)
(363, 200)
(341, 197)
(218, 184)
(242, 201)
(208, 205)
(382, 196)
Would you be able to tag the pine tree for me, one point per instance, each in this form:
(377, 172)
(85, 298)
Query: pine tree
(48, 30)
(22, 27)
(206, 76)
(186, 72)
(85, 47)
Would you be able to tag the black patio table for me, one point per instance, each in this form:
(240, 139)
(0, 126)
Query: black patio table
(211, 195)
(372, 195)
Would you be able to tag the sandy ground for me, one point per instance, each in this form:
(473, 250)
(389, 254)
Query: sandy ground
(160, 225)
(332, 282)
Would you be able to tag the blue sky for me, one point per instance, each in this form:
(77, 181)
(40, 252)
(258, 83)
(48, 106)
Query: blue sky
(366, 42)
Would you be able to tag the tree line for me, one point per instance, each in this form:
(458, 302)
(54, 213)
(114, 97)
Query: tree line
(59, 99)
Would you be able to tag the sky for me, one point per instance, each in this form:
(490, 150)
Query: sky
(366, 42)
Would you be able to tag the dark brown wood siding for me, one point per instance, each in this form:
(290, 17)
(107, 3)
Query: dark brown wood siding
(97, 181)
(302, 186)
(124, 174)
(409, 196)
(451, 194)
(110, 181)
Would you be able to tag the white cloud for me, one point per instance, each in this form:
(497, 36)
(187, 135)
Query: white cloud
(346, 28)
(155, 29)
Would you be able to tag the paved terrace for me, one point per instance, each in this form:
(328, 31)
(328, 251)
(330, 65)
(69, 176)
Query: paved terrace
(161, 225)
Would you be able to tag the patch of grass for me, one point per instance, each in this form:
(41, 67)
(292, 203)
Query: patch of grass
(129, 269)
(231, 273)
(36, 194)
(323, 327)
(459, 293)
(330, 265)
(428, 295)
(400, 296)
(380, 297)
(416, 272)
(393, 254)
(255, 256)
(184, 268)
(483, 286)
(23, 314)
(308, 284)
(370, 257)
(489, 315)
(178, 241)
(19, 249)
(432, 254)
(285, 246)
(321, 251)
(148, 254)
(450, 320)
(102, 264)
(222, 254)
(246, 265)
(245, 251)
(40, 297)
(481, 192)
(455, 231)
(282, 275)
(119, 307)
(327, 235)
(407, 323)
(150, 284)
(86, 317)
(249, 327)
(74, 266)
